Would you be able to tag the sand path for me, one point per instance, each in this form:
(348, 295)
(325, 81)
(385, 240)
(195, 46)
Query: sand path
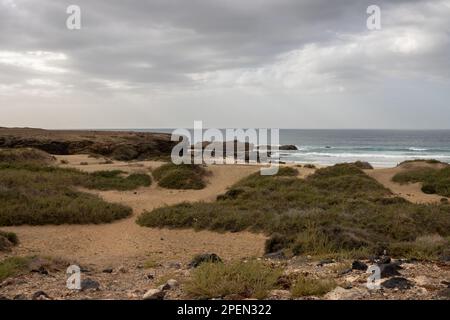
(411, 192)
(116, 243)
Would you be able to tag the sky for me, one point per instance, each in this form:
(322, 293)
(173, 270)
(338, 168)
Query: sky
(228, 63)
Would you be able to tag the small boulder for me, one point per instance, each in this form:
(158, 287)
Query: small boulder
(205, 257)
(154, 294)
(40, 295)
(359, 265)
(108, 270)
(397, 283)
(389, 270)
(172, 283)
(288, 147)
(89, 284)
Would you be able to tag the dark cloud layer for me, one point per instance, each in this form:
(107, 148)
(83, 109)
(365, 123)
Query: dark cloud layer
(174, 53)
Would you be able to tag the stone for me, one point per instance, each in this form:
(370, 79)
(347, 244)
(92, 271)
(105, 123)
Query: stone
(40, 295)
(397, 283)
(172, 283)
(154, 294)
(389, 270)
(89, 284)
(164, 287)
(358, 265)
(108, 270)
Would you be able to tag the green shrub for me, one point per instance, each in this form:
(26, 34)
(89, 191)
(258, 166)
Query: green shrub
(37, 194)
(363, 165)
(13, 266)
(434, 181)
(183, 176)
(287, 172)
(306, 286)
(25, 155)
(336, 211)
(250, 279)
(10, 236)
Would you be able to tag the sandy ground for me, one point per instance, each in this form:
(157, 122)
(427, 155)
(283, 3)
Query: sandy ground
(412, 191)
(114, 244)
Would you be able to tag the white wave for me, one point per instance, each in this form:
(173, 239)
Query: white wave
(370, 155)
(417, 149)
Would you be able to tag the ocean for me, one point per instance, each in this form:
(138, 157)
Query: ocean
(381, 148)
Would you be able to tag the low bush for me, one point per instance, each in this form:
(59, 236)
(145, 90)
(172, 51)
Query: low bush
(363, 165)
(434, 180)
(252, 279)
(183, 176)
(13, 266)
(38, 194)
(306, 286)
(25, 155)
(337, 211)
(7, 240)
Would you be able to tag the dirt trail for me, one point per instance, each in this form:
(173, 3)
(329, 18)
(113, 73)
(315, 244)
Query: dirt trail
(411, 192)
(116, 243)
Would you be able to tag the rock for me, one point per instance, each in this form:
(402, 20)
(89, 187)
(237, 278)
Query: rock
(122, 269)
(172, 283)
(288, 147)
(164, 287)
(205, 257)
(150, 276)
(384, 260)
(446, 283)
(389, 270)
(397, 283)
(108, 270)
(40, 295)
(40, 270)
(3, 298)
(20, 297)
(89, 284)
(154, 294)
(359, 265)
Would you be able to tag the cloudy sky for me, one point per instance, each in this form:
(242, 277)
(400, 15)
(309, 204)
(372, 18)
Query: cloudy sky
(229, 63)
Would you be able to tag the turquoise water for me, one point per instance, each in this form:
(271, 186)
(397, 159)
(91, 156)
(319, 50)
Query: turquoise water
(381, 148)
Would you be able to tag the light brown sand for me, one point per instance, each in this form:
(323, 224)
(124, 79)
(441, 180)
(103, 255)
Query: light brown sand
(412, 191)
(113, 244)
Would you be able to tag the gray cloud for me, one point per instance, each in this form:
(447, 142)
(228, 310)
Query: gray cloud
(154, 59)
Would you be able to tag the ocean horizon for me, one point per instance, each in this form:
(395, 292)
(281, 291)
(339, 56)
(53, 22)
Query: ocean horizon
(379, 147)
